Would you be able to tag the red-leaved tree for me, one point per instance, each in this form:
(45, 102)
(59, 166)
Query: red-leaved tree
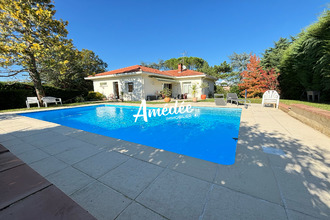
(256, 80)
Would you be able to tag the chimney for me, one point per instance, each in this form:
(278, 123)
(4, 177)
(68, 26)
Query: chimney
(180, 67)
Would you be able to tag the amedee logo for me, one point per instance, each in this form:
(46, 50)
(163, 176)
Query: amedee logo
(173, 110)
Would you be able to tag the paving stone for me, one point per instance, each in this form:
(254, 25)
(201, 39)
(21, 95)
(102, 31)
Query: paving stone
(9, 160)
(45, 205)
(45, 139)
(11, 142)
(131, 177)
(97, 139)
(227, 204)
(69, 180)
(304, 192)
(48, 166)
(101, 163)
(101, 201)
(157, 156)
(293, 215)
(200, 169)
(251, 177)
(65, 145)
(19, 182)
(6, 137)
(75, 155)
(135, 211)
(126, 147)
(32, 156)
(21, 148)
(176, 196)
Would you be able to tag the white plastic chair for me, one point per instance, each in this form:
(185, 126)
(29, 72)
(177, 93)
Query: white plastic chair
(31, 100)
(270, 97)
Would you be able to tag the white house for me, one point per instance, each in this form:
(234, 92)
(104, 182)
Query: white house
(139, 82)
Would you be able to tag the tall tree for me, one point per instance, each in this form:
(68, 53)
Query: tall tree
(28, 32)
(192, 63)
(272, 56)
(305, 64)
(256, 80)
(79, 64)
(239, 61)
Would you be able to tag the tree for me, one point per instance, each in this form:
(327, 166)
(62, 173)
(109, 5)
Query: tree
(28, 32)
(192, 63)
(305, 63)
(80, 65)
(256, 80)
(272, 56)
(239, 61)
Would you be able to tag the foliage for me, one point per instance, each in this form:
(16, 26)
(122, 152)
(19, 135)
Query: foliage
(305, 64)
(239, 61)
(192, 63)
(194, 88)
(29, 32)
(238, 64)
(79, 99)
(272, 56)
(204, 85)
(14, 98)
(235, 89)
(94, 96)
(257, 80)
(166, 92)
(80, 65)
(221, 90)
(13, 95)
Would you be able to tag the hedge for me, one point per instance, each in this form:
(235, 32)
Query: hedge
(14, 95)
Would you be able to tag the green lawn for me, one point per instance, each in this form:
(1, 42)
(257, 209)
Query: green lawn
(324, 106)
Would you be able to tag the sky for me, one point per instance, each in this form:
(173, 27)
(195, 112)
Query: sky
(124, 33)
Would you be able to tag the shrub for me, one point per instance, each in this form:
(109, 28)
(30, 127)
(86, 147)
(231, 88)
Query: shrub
(79, 99)
(92, 96)
(13, 94)
(14, 98)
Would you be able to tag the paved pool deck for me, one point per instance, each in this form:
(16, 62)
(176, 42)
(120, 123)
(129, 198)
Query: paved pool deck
(116, 179)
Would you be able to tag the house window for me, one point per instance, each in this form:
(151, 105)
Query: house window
(168, 85)
(130, 87)
(103, 84)
(186, 87)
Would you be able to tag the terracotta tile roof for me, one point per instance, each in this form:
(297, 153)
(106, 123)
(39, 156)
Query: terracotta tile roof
(184, 73)
(135, 68)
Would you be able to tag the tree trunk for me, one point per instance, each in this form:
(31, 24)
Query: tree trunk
(35, 76)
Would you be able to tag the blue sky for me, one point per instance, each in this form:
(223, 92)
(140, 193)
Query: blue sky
(124, 33)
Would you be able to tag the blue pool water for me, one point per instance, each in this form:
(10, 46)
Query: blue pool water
(206, 133)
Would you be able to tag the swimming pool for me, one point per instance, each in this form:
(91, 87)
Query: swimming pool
(206, 133)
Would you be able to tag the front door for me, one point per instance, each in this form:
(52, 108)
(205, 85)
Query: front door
(116, 89)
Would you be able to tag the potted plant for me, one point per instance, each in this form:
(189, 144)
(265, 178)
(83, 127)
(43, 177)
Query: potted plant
(167, 94)
(193, 92)
(203, 86)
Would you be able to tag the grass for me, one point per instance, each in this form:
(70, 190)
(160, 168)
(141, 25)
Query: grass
(324, 106)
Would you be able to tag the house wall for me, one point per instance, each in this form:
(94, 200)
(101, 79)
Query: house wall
(197, 81)
(151, 86)
(145, 85)
(138, 90)
(210, 89)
